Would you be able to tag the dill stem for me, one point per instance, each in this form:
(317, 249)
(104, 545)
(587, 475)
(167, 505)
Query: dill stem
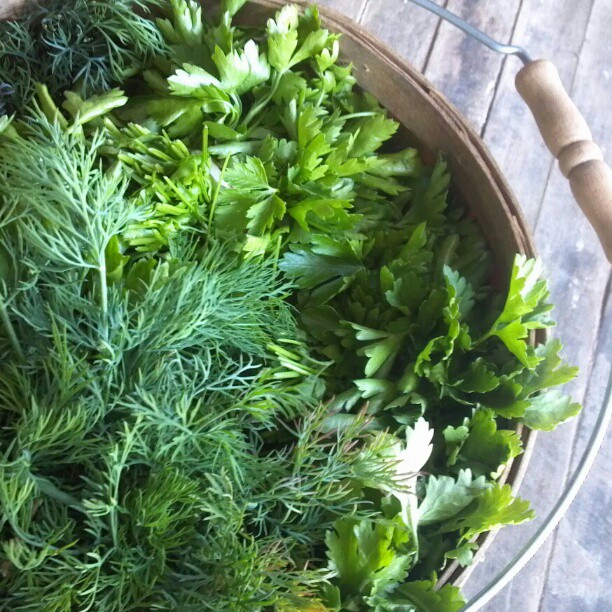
(10, 330)
(103, 296)
(103, 286)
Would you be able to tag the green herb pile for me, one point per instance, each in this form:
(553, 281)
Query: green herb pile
(251, 358)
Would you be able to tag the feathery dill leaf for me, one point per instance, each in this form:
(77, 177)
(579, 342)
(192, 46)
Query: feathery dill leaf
(162, 441)
(88, 45)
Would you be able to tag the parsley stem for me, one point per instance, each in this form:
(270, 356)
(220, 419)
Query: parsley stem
(257, 108)
(213, 203)
(359, 115)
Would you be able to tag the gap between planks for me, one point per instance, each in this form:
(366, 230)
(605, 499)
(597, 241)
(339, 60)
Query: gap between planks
(501, 70)
(363, 14)
(432, 44)
(571, 90)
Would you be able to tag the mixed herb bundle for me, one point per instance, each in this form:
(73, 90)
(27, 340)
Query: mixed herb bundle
(251, 358)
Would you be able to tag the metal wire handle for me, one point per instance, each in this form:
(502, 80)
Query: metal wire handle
(469, 29)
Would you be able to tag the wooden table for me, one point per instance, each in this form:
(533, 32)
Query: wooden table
(571, 572)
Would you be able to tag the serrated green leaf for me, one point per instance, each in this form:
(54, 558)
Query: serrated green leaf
(324, 260)
(241, 71)
(549, 409)
(372, 132)
(478, 378)
(494, 508)
(365, 555)
(463, 554)
(445, 496)
(330, 210)
(248, 175)
(487, 448)
(549, 372)
(421, 596)
(281, 47)
(263, 215)
(429, 195)
(525, 308)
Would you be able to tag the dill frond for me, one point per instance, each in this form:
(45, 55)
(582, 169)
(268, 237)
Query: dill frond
(88, 45)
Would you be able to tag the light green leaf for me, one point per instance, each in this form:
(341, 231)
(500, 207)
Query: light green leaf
(549, 409)
(525, 308)
(549, 372)
(486, 448)
(115, 260)
(281, 47)
(241, 71)
(248, 175)
(186, 25)
(84, 111)
(263, 215)
(455, 437)
(193, 81)
(494, 508)
(312, 266)
(463, 554)
(478, 378)
(365, 555)
(445, 497)
(421, 596)
(331, 210)
(373, 131)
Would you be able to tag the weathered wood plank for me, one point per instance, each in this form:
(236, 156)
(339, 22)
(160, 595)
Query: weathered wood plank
(550, 29)
(463, 68)
(351, 8)
(581, 546)
(407, 28)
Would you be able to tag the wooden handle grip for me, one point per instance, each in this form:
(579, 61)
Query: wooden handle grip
(569, 138)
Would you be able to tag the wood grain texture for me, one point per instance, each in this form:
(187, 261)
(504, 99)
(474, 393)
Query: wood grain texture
(408, 29)
(462, 67)
(582, 543)
(350, 8)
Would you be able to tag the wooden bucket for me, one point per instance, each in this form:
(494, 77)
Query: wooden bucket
(431, 124)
